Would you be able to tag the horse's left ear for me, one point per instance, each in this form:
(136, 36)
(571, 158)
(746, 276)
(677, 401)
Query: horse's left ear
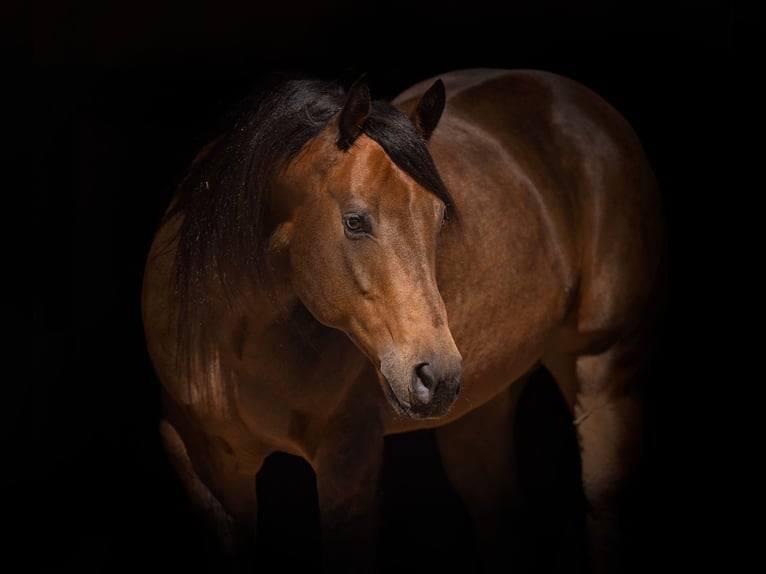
(428, 110)
(354, 113)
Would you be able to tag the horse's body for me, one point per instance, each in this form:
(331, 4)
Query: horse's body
(353, 313)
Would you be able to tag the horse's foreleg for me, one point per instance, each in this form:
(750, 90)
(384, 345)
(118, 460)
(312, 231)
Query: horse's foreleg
(347, 466)
(231, 514)
(479, 458)
(605, 399)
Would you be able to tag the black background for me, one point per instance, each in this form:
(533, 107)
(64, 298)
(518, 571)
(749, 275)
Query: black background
(111, 101)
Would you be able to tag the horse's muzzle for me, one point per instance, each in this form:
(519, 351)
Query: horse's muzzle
(434, 388)
(423, 388)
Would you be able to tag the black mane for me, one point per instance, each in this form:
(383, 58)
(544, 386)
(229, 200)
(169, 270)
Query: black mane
(222, 197)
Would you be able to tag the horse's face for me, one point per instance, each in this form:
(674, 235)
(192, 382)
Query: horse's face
(362, 238)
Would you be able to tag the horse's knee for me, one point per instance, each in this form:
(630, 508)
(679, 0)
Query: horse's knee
(608, 414)
(609, 435)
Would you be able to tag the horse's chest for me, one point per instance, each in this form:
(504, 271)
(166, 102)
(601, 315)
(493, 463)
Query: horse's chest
(285, 391)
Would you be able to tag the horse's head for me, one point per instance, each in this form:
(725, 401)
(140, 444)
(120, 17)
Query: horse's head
(361, 234)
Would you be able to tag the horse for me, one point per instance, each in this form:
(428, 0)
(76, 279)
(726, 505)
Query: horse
(334, 269)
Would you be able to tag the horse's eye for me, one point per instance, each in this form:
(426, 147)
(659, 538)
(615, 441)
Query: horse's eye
(355, 224)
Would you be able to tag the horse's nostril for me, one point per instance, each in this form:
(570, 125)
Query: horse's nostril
(425, 374)
(457, 389)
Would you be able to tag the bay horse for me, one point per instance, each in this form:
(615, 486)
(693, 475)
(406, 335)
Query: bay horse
(335, 269)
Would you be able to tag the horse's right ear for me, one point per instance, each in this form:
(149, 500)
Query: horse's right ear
(428, 110)
(354, 113)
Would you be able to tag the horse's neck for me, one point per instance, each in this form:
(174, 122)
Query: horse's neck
(286, 328)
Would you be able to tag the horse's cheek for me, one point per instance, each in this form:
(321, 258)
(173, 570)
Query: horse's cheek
(312, 272)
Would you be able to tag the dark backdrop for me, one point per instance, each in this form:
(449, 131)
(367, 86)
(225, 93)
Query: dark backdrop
(117, 97)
